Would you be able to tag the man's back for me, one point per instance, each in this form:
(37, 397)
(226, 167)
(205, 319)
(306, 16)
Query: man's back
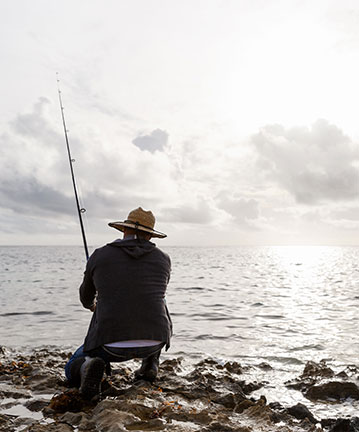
(130, 278)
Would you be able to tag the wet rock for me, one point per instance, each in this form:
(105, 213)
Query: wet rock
(219, 427)
(317, 370)
(346, 425)
(150, 425)
(36, 404)
(113, 420)
(243, 405)
(301, 412)
(276, 406)
(229, 400)
(233, 367)
(8, 391)
(173, 365)
(199, 417)
(6, 423)
(72, 418)
(70, 400)
(260, 411)
(333, 390)
(249, 388)
(54, 427)
(265, 366)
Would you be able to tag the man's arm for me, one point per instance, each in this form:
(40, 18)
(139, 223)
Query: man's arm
(88, 291)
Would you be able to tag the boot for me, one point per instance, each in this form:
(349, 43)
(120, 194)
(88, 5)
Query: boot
(149, 368)
(91, 371)
(75, 374)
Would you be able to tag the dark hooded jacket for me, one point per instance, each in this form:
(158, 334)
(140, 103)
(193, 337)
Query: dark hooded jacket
(129, 278)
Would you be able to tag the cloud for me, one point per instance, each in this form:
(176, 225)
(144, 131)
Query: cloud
(156, 141)
(200, 211)
(27, 195)
(242, 209)
(349, 214)
(314, 164)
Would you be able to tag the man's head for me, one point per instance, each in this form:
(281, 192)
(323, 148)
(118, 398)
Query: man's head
(139, 222)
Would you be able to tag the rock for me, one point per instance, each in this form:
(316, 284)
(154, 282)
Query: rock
(9, 391)
(316, 370)
(233, 367)
(346, 425)
(242, 406)
(53, 427)
(218, 427)
(112, 420)
(301, 412)
(265, 366)
(72, 418)
(36, 404)
(333, 390)
(150, 425)
(229, 400)
(70, 400)
(173, 365)
(200, 417)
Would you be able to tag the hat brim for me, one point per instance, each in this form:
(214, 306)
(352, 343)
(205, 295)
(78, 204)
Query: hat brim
(122, 225)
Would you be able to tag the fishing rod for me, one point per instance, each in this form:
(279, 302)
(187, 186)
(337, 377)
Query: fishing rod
(71, 161)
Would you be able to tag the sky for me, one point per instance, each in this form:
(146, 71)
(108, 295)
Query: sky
(234, 121)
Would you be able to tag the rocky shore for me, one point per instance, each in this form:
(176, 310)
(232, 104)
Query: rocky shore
(207, 397)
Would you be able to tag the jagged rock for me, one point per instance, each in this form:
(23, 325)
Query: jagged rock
(333, 390)
(316, 370)
(233, 367)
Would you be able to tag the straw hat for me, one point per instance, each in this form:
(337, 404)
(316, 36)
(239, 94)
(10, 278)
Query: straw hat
(141, 220)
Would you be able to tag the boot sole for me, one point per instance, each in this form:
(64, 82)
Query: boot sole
(91, 378)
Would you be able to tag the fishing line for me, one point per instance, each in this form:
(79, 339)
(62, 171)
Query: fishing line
(80, 210)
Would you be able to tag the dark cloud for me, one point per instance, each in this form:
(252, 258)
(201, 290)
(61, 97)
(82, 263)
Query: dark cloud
(27, 195)
(156, 141)
(313, 164)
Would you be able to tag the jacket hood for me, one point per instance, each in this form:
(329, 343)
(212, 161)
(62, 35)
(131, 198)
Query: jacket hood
(135, 248)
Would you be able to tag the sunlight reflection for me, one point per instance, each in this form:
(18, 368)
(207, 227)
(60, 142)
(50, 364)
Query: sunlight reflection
(313, 294)
(303, 265)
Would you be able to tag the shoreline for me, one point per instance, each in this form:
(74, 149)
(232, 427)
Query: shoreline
(206, 396)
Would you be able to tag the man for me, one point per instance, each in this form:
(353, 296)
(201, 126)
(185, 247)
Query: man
(124, 285)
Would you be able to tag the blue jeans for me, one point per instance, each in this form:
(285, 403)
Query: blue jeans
(109, 355)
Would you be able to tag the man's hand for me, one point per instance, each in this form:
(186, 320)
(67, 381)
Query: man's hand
(93, 307)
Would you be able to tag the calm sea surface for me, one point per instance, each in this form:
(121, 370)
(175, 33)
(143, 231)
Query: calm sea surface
(281, 305)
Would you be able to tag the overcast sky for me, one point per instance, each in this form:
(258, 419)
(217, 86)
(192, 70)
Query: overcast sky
(235, 122)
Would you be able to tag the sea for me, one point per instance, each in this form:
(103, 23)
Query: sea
(282, 306)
